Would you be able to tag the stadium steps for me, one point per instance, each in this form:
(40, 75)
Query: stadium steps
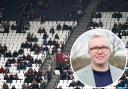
(82, 25)
(53, 83)
(44, 67)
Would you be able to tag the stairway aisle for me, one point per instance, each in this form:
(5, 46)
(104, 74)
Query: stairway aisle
(82, 25)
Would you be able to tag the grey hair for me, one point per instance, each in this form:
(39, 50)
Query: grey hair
(98, 36)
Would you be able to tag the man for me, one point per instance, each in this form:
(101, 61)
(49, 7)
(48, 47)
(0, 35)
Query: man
(99, 73)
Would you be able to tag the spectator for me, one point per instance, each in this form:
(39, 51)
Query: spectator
(34, 39)
(45, 36)
(13, 87)
(24, 86)
(50, 42)
(45, 42)
(56, 36)
(100, 24)
(15, 53)
(5, 86)
(52, 30)
(9, 54)
(58, 27)
(43, 85)
(2, 70)
(21, 51)
(34, 85)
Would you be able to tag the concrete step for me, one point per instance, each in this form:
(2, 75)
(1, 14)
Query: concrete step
(82, 25)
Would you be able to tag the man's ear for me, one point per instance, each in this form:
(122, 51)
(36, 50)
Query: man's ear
(88, 51)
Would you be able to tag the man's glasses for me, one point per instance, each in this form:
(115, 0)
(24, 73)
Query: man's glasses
(96, 49)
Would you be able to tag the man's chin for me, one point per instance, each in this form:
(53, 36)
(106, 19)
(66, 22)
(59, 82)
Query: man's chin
(100, 62)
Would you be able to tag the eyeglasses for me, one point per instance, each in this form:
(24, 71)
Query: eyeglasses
(96, 49)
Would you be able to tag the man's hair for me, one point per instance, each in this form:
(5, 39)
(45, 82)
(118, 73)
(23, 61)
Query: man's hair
(99, 36)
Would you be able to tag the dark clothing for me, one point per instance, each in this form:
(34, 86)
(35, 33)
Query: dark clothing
(102, 78)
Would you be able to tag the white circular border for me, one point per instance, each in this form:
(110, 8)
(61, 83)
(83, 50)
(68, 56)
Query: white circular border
(98, 31)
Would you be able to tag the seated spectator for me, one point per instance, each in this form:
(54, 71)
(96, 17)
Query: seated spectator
(35, 45)
(119, 15)
(57, 45)
(50, 42)
(13, 60)
(43, 30)
(5, 48)
(45, 42)
(65, 27)
(21, 51)
(6, 77)
(114, 15)
(52, 30)
(34, 39)
(45, 48)
(24, 86)
(15, 77)
(45, 35)
(38, 61)
(1, 49)
(7, 64)
(29, 37)
(98, 15)
(15, 53)
(58, 27)
(114, 28)
(23, 45)
(6, 70)
(5, 86)
(100, 24)
(120, 26)
(13, 27)
(40, 30)
(37, 50)
(8, 54)
(34, 85)
(29, 64)
(21, 65)
(56, 36)
(2, 70)
(26, 45)
(72, 84)
(13, 87)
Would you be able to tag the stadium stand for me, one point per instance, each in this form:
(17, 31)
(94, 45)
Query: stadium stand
(32, 32)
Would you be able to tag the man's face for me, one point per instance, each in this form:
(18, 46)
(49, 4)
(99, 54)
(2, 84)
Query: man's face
(99, 50)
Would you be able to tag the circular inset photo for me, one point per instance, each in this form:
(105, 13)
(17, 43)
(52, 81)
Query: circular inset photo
(98, 58)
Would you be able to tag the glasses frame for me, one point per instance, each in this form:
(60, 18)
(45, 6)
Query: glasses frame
(102, 48)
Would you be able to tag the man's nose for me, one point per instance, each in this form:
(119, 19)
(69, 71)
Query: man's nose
(99, 51)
